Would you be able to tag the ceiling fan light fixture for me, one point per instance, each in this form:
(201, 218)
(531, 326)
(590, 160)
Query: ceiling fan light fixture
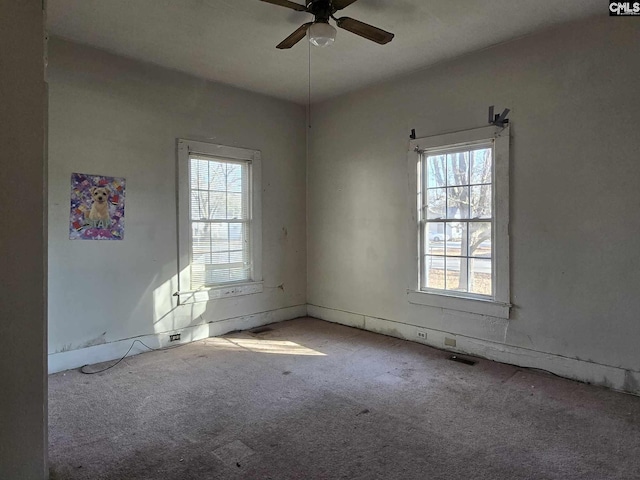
(321, 34)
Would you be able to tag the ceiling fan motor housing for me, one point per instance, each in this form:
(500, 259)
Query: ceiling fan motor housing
(321, 9)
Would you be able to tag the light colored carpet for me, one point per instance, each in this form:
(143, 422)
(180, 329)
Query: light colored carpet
(314, 400)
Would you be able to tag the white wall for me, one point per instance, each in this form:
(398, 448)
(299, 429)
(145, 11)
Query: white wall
(23, 383)
(117, 117)
(575, 260)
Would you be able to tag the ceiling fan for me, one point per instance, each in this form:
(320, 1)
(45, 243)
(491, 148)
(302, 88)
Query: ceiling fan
(321, 33)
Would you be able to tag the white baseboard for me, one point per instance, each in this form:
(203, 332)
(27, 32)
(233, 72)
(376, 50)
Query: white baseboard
(59, 362)
(590, 372)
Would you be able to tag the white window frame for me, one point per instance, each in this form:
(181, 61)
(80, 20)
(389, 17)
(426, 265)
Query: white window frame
(186, 148)
(498, 305)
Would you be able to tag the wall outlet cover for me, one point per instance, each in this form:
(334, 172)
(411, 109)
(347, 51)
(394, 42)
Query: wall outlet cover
(450, 342)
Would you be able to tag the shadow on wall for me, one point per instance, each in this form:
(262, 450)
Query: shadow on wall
(130, 316)
(169, 315)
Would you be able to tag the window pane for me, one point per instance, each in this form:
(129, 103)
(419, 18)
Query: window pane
(480, 239)
(199, 205)
(200, 252)
(436, 171)
(217, 205)
(480, 273)
(419, 200)
(200, 242)
(218, 258)
(234, 177)
(457, 231)
(246, 208)
(238, 274)
(481, 166)
(456, 274)
(458, 202)
(457, 239)
(236, 256)
(199, 174)
(234, 206)
(218, 176)
(436, 203)
(458, 168)
(481, 201)
(224, 275)
(219, 237)
(238, 238)
(217, 276)
(434, 239)
(433, 275)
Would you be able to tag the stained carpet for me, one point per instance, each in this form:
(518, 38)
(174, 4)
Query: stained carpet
(307, 399)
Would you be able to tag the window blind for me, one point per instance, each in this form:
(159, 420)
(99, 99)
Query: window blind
(220, 216)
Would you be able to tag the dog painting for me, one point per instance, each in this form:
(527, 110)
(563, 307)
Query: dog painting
(97, 207)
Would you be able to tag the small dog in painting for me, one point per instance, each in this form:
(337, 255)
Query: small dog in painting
(100, 207)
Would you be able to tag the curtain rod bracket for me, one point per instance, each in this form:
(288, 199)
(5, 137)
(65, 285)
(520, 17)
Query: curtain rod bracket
(498, 120)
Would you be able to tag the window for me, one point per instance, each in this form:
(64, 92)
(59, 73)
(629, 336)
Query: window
(461, 211)
(219, 217)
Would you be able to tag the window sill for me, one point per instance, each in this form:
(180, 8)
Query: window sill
(223, 291)
(490, 308)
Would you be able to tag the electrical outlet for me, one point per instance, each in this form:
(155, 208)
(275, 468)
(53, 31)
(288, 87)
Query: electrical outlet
(173, 338)
(422, 335)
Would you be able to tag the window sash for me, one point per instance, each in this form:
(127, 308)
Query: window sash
(424, 223)
(207, 272)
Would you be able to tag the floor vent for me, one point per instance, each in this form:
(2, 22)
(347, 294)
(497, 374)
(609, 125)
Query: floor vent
(466, 361)
(259, 330)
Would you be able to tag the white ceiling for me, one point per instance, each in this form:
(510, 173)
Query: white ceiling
(233, 41)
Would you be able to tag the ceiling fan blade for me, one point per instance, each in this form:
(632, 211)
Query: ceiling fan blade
(340, 4)
(286, 3)
(295, 37)
(365, 30)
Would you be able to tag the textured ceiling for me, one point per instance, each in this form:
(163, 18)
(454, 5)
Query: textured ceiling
(233, 41)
